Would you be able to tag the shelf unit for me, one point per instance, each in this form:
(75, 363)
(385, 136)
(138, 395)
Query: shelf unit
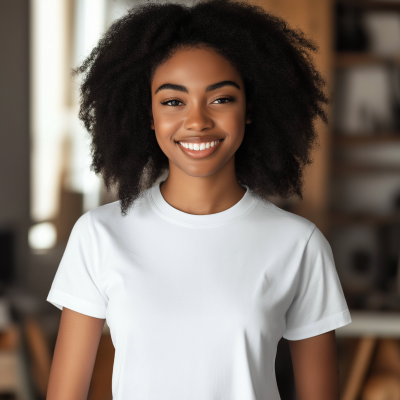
(374, 220)
(315, 18)
(340, 170)
(347, 59)
(364, 139)
(351, 169)
(369, 326)
(341, 142)
(373, 4)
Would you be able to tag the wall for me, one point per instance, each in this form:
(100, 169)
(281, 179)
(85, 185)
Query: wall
(14, 126)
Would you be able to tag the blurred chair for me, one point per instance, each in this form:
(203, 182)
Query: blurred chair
(10, 379)
(375, 369)
(382, 387)
(384, 378)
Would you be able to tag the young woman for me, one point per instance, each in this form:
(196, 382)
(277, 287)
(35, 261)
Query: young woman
(199, 276)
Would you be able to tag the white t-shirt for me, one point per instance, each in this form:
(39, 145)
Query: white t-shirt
(196, 304)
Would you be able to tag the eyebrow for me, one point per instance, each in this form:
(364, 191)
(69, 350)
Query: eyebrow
(181, 88)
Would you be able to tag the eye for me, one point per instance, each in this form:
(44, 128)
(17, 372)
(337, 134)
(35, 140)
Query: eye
(171, 101)
(223, 100)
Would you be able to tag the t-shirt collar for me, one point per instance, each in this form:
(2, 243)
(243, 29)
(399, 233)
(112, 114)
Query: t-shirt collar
(231, 213)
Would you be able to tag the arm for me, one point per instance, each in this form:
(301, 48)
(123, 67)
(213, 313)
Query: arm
(74, 356)
(315, 367)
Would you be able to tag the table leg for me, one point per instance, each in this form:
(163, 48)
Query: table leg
(359, 368)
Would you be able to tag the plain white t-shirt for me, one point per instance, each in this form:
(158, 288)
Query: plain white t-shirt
(196, 304)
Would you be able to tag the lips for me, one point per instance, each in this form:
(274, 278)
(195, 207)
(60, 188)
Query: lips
(199, 146)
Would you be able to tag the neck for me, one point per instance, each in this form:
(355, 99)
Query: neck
(202, 195)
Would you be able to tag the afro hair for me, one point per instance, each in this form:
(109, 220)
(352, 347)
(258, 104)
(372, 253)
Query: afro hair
(275, 61)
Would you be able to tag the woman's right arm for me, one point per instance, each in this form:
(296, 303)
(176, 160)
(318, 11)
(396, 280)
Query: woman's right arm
(74, 356)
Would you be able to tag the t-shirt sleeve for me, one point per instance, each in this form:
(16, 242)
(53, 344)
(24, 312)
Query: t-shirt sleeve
(319, 304)
(76, 283)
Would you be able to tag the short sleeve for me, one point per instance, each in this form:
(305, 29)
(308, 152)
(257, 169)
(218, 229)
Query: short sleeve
(75, 284)
(319, 304)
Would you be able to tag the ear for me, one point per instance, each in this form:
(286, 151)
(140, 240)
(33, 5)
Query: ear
(249, 109)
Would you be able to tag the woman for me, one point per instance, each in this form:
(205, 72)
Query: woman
(199, 276)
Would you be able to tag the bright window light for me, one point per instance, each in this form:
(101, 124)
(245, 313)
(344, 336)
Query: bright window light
(42, 236)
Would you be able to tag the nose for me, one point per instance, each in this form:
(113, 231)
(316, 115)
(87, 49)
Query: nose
(197, 119)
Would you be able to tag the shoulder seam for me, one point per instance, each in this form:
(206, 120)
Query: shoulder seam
(313, 226)
(91, 230)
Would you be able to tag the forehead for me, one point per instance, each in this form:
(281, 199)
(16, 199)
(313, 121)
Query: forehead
(194, 68)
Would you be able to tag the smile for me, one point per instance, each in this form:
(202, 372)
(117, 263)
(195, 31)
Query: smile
(199, 150)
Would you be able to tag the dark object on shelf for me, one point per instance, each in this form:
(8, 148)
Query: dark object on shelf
(351, 35)
(8, 396)
(393, 261)
(357, 301)
(361, 261)
(396, 202)
(382, 301)
(395, 95)
(388, 242)
(7, 254)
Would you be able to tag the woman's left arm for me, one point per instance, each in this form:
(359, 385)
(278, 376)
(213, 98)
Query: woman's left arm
(315, 367)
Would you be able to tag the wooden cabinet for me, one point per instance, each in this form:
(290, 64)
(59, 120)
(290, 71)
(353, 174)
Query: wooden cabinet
(315, 18)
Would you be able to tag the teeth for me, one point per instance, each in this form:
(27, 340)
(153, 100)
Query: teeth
(197, 147)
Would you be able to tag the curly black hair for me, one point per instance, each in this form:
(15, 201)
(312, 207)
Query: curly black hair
(275, 61)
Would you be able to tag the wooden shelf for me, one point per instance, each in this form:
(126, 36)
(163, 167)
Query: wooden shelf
(343, 140)
(368, 323)
(350, 59)
(355, 169)
(374, 5)
(343, 219)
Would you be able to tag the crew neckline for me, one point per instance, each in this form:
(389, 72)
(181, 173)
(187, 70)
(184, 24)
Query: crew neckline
(231, 213)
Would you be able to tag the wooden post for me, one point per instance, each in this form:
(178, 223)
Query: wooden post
(359, 368)
(315, 18)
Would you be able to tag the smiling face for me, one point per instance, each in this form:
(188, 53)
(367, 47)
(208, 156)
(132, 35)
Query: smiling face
(199, 111)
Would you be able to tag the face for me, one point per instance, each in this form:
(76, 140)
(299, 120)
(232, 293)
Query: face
(199, 110)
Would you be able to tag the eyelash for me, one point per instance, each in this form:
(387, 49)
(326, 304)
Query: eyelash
(230, 99)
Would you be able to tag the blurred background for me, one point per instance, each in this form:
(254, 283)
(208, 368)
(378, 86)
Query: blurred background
(352, 189)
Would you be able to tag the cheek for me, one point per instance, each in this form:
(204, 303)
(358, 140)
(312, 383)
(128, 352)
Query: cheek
(165, 124)
(234, 125)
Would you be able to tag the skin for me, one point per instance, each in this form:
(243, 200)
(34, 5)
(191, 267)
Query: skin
(315, 367)
(74, 356)
(208, 185)
(196, 186)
